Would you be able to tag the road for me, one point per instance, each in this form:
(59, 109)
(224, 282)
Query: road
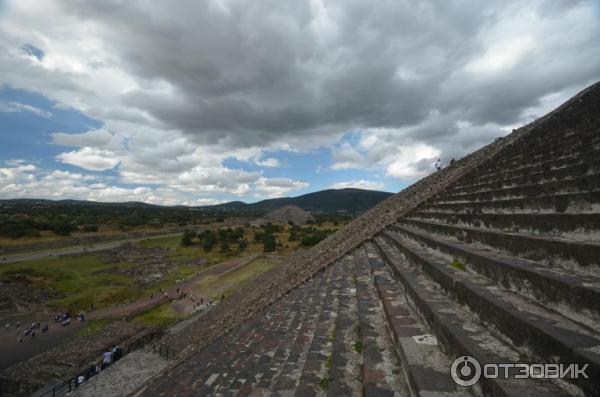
(75, 249)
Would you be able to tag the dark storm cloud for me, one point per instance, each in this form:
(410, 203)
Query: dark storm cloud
(255, 73)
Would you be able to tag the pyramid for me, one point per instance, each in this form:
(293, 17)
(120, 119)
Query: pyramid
(495, 257)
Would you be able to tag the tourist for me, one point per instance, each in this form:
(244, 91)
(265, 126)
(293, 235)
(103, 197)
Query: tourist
(32, 334)
(92, 370)
(107, 358)
(20, 340)
(117, 353)
(45, 328)
(7, 326)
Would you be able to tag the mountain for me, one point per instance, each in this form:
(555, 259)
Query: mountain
(350, 201)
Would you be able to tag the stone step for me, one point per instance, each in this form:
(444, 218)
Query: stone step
(315, 371)
(580, 227)
(581, 256)
(566, 173)
(241, 374)
(308, 300)
(581, 203)
(578, 184)
(381, 371)
(346, 362)
(425, 367)
(457, 330)
(557, 168)
(288, 378)
(573, 294)
(208, 371)
(243, 378)
(537, 332)
(577, 145)
(551, 145)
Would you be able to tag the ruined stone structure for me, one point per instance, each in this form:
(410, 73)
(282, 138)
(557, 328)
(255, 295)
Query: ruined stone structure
(496, 256)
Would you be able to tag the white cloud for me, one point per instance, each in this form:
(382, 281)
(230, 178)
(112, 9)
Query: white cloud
(90, 159)
(359, 184)
(278, 187)
(268, 162)
(347, 157)
(93, 138)
(9, 107)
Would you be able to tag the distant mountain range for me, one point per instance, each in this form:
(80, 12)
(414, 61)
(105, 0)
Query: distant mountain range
(351, 201)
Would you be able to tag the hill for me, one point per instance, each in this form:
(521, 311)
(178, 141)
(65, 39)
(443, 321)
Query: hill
(350, 201)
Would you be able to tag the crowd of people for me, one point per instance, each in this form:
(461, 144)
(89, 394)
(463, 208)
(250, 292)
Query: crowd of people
(31, 331)
(109, 357)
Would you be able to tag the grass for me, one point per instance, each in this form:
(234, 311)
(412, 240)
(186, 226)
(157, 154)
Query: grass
(357, 346)
(458, 265)
(160, 316)
(324, 383)
(76, 278)
(78, 281)
(228, 283)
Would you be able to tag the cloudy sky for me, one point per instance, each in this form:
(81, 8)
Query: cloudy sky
(197, 102)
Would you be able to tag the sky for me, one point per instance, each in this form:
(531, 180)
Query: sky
(201, 102)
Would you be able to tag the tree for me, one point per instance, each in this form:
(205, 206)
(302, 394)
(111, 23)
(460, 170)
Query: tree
(187, 238)
(90, 228)
(242, 244)
(269, 243)
(63, 228)
(224, 247)
(209, 240)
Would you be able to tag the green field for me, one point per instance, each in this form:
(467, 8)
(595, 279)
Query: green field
(76, 282)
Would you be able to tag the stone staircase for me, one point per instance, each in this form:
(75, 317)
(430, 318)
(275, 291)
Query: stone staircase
(496, 257)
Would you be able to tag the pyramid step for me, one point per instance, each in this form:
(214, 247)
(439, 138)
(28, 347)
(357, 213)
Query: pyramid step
(458, 331)
(308, 300)
(545, 149)
(583, 256)
(575, 226)
(425, 367)
(575, 146)
(579, 184)
(346, 362)
(538, 332)
(288, 378)
(315, 372)
(573, 294)
(557, 168)
(566, 172)
(381, 372)
(582, 203)
(241, 374)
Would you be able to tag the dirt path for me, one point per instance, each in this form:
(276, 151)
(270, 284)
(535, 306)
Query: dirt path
(75, 249)
(132, 309)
